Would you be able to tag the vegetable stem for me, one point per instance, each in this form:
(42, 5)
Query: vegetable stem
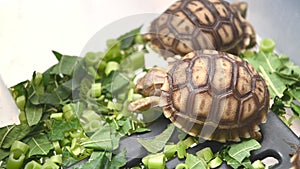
(15, 161)
(264, 73)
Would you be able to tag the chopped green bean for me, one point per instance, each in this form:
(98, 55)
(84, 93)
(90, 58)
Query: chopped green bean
(56, 116)
(15, 161)
(258, 165)
(111, 66)
(68, 112)
(206, 154)
(33, 165)
(134, 61)
(267, 45)
(92, 58)
(155, 161)
(181, 150)
(182, 166)
(50, 165)
(21, 101)
(215, 162)
(19, 148)
(170, 150)
(57, 147)
(96, 89)
(22, 117)
(57, 159)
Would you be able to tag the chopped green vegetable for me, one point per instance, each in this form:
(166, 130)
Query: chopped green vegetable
(170, 150)
(281, 75)
(206, 154)
(10, 134)
(39, 145)
(19, 148)
(193, 162)
(103, 139)
(155, 161)
(258, 165)
(267, 45)
(182, 166)
(59, 128)
(156, 144)
(215, 162)
(242, 150)
(15, 162)
(111, 66)
(33, 165)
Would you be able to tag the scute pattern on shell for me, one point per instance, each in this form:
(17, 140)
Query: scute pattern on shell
(218, 89)
(190, 25)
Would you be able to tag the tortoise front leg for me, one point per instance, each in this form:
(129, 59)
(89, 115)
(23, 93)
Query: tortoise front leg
(144, 103)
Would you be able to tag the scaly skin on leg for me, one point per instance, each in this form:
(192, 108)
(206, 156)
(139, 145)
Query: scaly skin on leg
(144, 103)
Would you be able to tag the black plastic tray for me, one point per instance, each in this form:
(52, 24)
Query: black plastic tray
(278, 142)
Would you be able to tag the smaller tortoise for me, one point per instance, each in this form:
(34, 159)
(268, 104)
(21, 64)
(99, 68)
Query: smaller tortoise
(210, 94)
(190, 25)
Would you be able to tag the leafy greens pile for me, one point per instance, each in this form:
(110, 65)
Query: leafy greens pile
(282, 77)
(76, 109)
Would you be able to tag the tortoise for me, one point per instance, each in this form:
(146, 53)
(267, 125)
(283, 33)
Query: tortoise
(295, 159)
(209, 94)
(190, 25)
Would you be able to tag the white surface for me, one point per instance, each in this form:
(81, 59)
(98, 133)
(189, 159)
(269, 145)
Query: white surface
(7, 107)
(30, 30)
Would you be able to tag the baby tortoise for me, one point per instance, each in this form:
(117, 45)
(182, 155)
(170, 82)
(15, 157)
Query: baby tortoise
(190, 25)
(210, 94)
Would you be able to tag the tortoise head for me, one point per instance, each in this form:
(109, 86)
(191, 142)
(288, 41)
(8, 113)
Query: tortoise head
(150, 86)
(241, 7)
(250, 38)
(151, 82)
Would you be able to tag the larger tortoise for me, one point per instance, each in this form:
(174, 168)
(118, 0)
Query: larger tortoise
(210, 94)
(190, 25)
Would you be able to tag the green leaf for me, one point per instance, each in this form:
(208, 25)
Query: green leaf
(97, 161)
(60, 127)
(117, 161)
(33, 114)
(156, 144)
(9, 134)
(194, 162)
(66, 65)
(232, 162)
(295, 93)
(57, 55)
(128, 39)
(103, 139)
(125, 125)
(101, 159)
(242, 150)
(68, 159)
(3, 154)
(268, 65)
(39, 145)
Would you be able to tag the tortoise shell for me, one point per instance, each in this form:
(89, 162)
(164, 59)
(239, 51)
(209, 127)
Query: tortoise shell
(190, 25)
(216, 96)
